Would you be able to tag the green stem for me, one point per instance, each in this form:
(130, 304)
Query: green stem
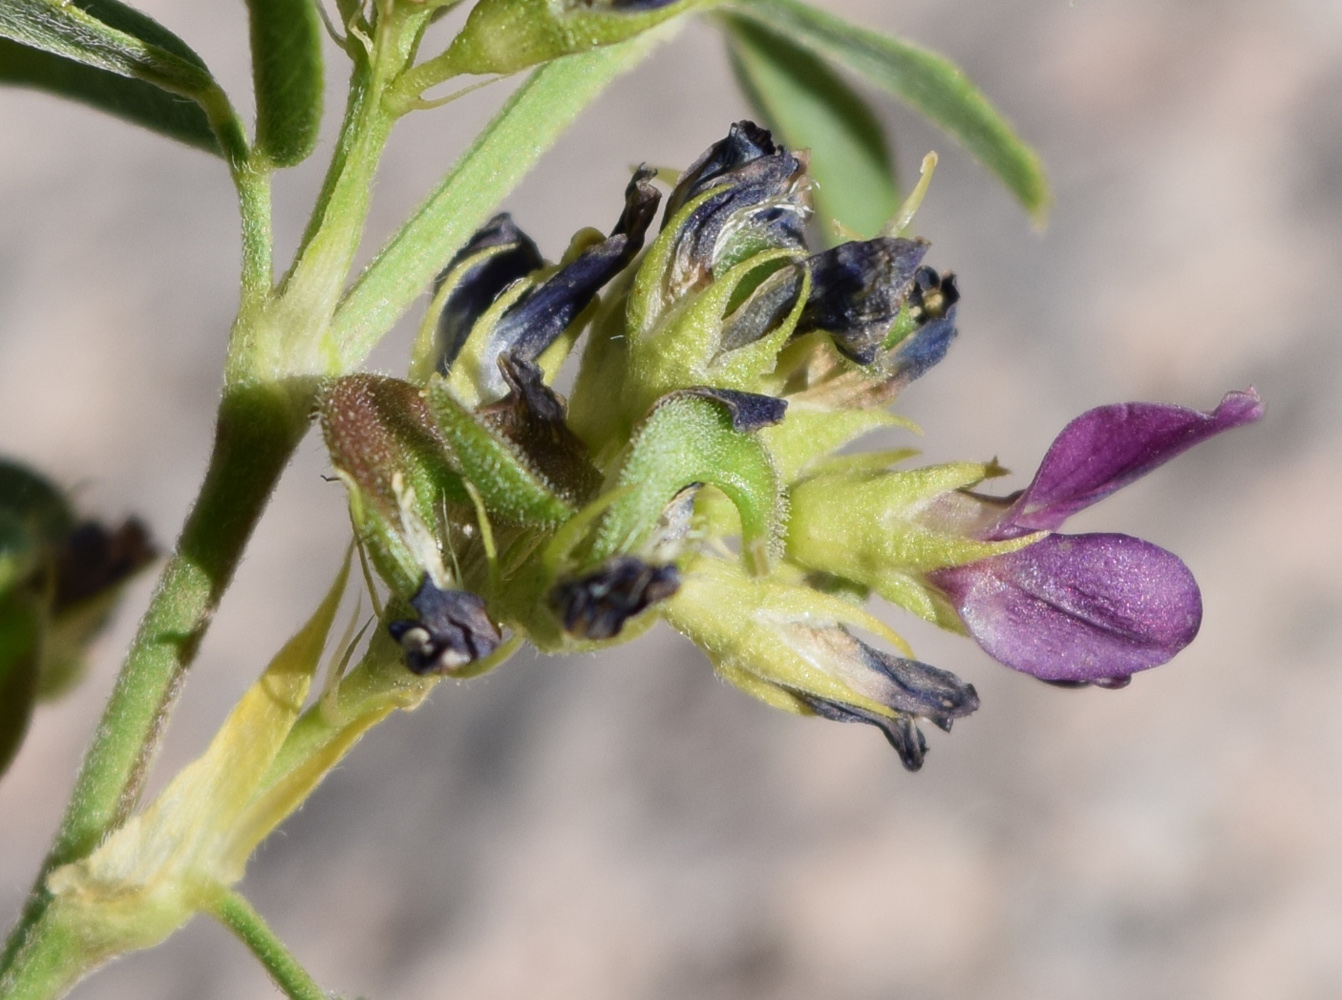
(258, 429)
(51, 962)
(253, 186)
(293, 334)
(238, 915)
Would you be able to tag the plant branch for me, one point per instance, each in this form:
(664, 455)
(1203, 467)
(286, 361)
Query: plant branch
(258, 429)
(233, 911)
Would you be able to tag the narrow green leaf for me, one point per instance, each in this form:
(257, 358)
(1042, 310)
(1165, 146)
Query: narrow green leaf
(107, 35)
(287, 73)
(929, 82)
(534, 117)
(132, 100)
(810, 107)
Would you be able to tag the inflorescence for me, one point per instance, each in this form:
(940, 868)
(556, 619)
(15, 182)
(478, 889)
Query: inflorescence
(694, 475)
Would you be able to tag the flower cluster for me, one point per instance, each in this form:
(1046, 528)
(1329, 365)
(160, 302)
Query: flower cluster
(693, 473)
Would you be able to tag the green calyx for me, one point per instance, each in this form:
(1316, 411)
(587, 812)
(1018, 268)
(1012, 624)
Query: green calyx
(859, 520)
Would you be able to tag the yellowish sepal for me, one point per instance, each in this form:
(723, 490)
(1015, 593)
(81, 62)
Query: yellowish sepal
(165, 863)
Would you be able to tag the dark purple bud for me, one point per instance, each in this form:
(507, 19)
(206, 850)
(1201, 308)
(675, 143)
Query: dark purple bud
(513, 256)
(596, 605)
(1106, 448)
(452, 630)
(534, 323)
(1084, 608)
(749, 411)
(762, 204)
(857, 290)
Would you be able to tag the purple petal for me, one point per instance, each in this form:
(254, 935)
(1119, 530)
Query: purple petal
(1106, 448)
(1090, 608)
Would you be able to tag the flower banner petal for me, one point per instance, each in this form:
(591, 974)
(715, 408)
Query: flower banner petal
(1109, 447)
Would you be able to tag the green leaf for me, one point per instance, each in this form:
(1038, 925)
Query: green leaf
(287, 73)
(536, 115)
(132, 100)
(504, 36)
(928, 82)
(810, 107)
(107, 35)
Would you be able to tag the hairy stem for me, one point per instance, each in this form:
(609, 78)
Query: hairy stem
(52, 960)
(238, 915)
(258, 429)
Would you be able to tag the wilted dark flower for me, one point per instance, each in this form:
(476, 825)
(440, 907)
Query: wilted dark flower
(452, 629)
(857, 291)
(597, 604)
(496, 256)
(748, 195)
(60, 579)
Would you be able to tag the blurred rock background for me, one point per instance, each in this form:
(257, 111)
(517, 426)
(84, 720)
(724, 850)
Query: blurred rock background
(624, 826)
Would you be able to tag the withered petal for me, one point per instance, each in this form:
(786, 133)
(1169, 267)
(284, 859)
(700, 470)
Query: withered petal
(596, 605)
(482, 284)
(452, 630)
(749, 411)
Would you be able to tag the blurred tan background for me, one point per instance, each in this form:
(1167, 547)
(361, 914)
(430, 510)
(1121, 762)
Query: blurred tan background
(626, 827)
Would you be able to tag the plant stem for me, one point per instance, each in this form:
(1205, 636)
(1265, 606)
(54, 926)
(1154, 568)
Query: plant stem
(51, 962)
(258, 429)
(238, 915)
(253, 186)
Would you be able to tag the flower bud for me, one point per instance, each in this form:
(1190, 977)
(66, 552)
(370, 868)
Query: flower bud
(504, 36)
(386, 447)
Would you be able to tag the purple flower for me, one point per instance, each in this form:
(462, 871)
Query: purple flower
(1088, 609)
